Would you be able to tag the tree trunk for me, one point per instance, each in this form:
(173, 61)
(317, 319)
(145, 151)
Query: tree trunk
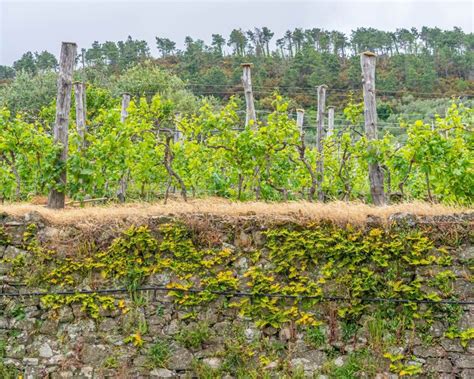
(247, 83)
(319, 140)
(12, 162)
(168, 162)
(240, 185)
(57, 195)
(368, 61)
(428, 187)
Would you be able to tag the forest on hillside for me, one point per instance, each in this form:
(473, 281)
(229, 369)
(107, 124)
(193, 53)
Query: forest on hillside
(424, 63)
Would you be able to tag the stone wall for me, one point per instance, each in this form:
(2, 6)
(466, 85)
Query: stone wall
(150, 334)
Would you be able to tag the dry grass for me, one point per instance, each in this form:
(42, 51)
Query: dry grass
(339, 212)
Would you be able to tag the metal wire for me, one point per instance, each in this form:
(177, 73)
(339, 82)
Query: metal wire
(341, 95)
(313, 89)
(238, 294)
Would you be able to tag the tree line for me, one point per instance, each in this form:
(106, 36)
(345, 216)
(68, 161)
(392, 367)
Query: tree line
(422, 60)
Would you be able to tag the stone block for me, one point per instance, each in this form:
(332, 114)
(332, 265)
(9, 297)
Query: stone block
(214, 363)
(181, 359)
(94, 354)
(49, 327)
(451, 345)
(426, 352)
(439, 365)
(162, 373)
(465, 361)
(45, 351)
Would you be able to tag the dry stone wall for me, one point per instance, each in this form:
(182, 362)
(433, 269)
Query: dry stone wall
(160, 334)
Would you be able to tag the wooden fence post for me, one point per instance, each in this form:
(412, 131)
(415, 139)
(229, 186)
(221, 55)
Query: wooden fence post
(247, 83)
(125, 104)
(177, 136)
(376, 177)
(67, 59)
(319, 140)
(300, 119)
(122, 188)
(330, 121)
(79, 89)
(84, 81)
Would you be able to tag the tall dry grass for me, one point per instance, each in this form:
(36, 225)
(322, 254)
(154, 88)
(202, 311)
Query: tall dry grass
(355, 213)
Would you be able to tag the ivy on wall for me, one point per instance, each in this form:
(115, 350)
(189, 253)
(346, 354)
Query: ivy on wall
(284, 283)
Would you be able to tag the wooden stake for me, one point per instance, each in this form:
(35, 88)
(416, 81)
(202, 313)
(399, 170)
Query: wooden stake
(125, 104)
(178, 134)
(330, 121)
(319, 140)
(122, 188)
(247, 83)
(79, 89)
(299, 119)
(376, 178)
(67, 59)
(84, 81)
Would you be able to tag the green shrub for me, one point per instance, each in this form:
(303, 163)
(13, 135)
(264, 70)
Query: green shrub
(195, 336)
(315, 336)
(159, 353)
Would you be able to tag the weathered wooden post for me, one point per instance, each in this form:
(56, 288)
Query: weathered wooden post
(247, 83)
(79, 89)
(376, 177)
(330, 121)
(300, 119)
(122, 188)
(125, 104)
(178, 136)
(84, 81)
(319, 140)
(67, 59)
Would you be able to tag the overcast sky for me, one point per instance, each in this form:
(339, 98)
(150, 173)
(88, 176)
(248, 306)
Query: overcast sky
(41, 25)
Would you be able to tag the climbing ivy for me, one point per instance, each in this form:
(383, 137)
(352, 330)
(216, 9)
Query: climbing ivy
(287, 278)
